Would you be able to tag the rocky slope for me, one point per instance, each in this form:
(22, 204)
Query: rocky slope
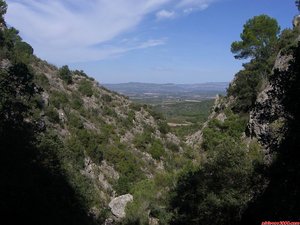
(119, 143)
(105, 144)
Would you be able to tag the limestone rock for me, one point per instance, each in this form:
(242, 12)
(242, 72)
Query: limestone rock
(5, 64)
(173, 138)
(195, 140)
(118, 205)
(296, 22)
(153, 221)
(221, 117)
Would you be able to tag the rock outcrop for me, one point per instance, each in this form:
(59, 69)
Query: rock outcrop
(296, 22)
(118, 205)
(267, 118)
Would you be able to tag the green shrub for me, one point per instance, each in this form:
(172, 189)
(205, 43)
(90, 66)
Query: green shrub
(245, 89)
(23, 52)
(65, 74)
(107, 132)
(75, 121)
(81, 73)
(163, 127)
(106, 98)
(172, 146)
(58, 99)
(135, 106)
(76, 102)
(217, 132)
(128, 165)
(157, 149)
(52, 114)
(219, 190)
(143, 195)
(107, 111)
(42, 81)
(96, 154)
(128, 122)
(74, 152)
(142, 141)
(86, 88)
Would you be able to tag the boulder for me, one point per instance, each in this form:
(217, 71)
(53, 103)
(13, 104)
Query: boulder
(118, 205)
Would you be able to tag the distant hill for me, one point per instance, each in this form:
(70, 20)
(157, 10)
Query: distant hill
(136, 90)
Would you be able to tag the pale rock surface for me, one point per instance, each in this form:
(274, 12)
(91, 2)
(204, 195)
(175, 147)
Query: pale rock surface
(118, 205)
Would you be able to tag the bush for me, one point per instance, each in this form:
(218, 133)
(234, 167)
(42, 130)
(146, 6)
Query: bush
(219, 190)
(58, 99)
(52, 114)
(107, 111)
(106, 98)
(172, 146)
(65, 74)
(128, 165)
(81, 73)
(157, 149)
(128, 122)
(143, 140)
(96, 154)
(76, 102)
(163, 127)
(245, 89)
(74, 152)
(135, 106)
(75, 121)
(42, 81)
(86, 88)
(217, 132)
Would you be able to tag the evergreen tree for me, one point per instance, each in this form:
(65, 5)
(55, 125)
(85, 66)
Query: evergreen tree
(258, 38)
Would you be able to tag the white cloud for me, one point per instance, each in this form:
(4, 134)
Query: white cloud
(64, 31)
(165, 14)
(190, 6)
(69, 28)
(194, 3)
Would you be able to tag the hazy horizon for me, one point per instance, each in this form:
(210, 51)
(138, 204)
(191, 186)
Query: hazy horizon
(136, 82)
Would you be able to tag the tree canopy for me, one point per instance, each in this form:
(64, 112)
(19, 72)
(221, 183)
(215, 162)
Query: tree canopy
(257, 39)
(3, 8)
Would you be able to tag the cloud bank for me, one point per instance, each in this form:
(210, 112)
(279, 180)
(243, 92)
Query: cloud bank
(64, 31)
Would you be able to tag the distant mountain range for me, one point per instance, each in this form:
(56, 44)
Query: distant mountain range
(136, 90)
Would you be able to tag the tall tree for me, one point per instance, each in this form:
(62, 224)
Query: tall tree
(258, 38)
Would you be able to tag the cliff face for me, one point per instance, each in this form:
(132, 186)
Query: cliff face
(267, 120)
(275, 121)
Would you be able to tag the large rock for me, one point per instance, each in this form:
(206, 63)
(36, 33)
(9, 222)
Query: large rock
(118, 205)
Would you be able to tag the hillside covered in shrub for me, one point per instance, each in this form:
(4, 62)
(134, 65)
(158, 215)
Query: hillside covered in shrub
(71, 148)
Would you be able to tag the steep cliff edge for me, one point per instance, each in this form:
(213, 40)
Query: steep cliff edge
(280, 199)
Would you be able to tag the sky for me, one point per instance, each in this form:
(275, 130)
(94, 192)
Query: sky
(157, 41)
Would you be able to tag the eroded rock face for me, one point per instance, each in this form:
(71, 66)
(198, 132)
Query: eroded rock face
(118, 205)
(267, 119)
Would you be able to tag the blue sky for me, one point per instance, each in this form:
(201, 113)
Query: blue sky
(159, 41)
